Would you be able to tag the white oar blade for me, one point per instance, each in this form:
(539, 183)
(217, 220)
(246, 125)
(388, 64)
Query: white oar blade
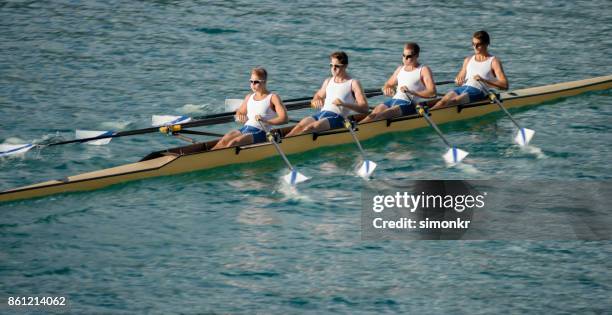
(165, 120)
(366, 169)
(524, 136)
(81, 134)
(232, 104)
(454, 155)
(14, 149)
(294, 177)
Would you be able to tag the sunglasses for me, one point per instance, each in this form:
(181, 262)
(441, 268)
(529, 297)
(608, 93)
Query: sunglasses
(407, 56)
(336, 66)
(256, 81)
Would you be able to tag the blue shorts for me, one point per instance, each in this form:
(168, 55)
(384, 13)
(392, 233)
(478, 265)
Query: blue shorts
(258, 134)
(405, 106)
(335, 120)
(473, 93)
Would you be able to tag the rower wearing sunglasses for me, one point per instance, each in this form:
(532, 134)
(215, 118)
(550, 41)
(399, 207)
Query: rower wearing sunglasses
(483, 68)
(336, 98)
(259, 106)
(413, 81)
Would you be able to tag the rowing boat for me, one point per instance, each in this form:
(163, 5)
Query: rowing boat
(198, 156)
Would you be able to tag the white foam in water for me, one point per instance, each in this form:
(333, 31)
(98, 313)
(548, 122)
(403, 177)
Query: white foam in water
(14, 140)
(530, 149)
(195, 108)
(399, 156)
(115, 125)
(468, 168)
(328, 168)
(291, 192)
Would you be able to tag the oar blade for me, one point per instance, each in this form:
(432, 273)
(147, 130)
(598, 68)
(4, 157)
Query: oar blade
(232, 104)
(366, 169)
(82, 134)
(294, 177)
(454, 156)
(165, 120)
(14, 149)
(523, 136)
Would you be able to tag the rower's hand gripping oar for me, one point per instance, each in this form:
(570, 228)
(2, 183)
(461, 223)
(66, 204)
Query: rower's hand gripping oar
(524, 135)
(294, 177)
(367, 167)
(454, 155)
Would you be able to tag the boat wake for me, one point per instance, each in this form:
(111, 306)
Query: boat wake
(399, 156)
(468, 168)
(115, 125)
(533, 150)
(291, 192)
(195, 108)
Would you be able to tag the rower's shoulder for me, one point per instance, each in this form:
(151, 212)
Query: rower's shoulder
(326, 82)
(425, 67)
(355, 82)
(275, 97)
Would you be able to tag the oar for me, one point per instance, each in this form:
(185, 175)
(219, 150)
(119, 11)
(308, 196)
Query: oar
(232, 104)
(182, 122)
(294, 177)
(367, 167)
(454, 155)
(524, 135)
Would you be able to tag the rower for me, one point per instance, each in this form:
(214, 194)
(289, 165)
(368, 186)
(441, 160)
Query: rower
(482, 67)
(410, 78)
(261, 105)
(337, 96)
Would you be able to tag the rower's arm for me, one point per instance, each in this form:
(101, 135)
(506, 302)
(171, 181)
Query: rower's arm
(430, 87)
(460, 78)
(319, 96)
(242, 109)
(241, 112)
(498, 70)
(281, 111)
(391, 82)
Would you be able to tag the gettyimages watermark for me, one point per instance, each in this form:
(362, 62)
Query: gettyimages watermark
(487, 210)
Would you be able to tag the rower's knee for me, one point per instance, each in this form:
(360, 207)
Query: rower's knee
(233, 142)
(308, 128)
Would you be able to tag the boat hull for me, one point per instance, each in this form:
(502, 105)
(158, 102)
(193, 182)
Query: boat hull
(196, 157)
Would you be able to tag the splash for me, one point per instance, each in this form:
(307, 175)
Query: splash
(399, 156)
(291, 192)
(533, 150)
(196, 109)
(115, 125)
(468, 168)
(328, 168)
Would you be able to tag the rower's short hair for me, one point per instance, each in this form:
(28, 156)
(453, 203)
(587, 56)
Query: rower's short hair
(341, 56)
(260, 72)
(483, 36)
(413, 46)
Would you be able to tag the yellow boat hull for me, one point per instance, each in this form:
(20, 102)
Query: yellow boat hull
(196, 157)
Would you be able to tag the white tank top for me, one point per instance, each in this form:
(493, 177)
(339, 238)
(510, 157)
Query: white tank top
(411, 80)
(261, 108)
(482, 68)
(343, 91)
